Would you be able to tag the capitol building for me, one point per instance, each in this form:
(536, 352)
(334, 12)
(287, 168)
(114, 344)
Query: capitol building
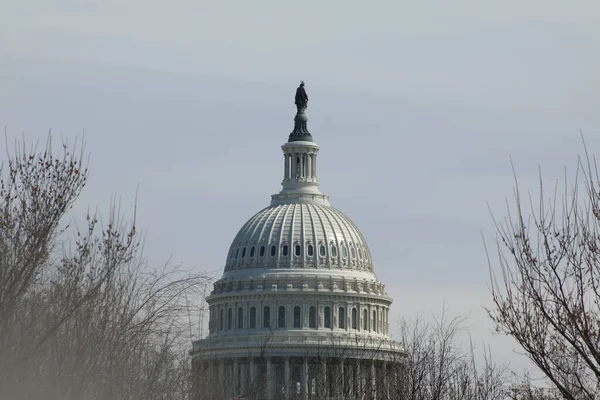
(298, 312)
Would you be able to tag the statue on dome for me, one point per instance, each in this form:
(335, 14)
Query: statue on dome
(301, 98)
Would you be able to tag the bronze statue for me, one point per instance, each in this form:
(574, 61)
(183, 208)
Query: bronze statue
(301, 98)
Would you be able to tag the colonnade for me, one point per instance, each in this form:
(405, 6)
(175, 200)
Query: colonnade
(347, 316)
(300, 166)
(306, 378)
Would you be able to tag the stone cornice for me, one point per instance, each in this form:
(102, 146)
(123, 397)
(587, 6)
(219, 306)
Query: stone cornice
(299, 297)
(332, 284)
(281, 342)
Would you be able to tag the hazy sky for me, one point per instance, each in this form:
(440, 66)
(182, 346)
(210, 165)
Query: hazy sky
(417, 107)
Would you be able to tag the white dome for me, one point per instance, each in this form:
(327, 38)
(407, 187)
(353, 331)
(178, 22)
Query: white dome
(298, 294)
(299, 235)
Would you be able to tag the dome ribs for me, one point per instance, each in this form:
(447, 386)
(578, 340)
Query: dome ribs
(271, 239)
(346, 231)
(290, 234)
(336, 242)
(318, 210)
(299, 224)
(310, 209)
(282, 233)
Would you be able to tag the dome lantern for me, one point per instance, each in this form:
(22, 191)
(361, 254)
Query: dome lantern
(300, 182)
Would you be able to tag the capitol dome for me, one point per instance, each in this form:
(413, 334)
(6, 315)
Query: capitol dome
(299, 236)
(298, 307)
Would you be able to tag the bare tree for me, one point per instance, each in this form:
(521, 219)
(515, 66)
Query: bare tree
(547, 290)
(434, 365)
(83, 318)
(438, 367)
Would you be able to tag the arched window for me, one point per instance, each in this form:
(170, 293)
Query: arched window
(221, 320)
(267, 317)
(333, 251)
(230, 319)
(237, 252)
(281, 319)
(284, 250)
(297, 250)
(360, 254)
(365, 320)
(344, 252)
(240, 318)
(354, 318)
(353, 252)
(310, 250)
(374, 327)
(327, 317)
(262, 251)
(243, 252)
(322, 250)
(342, 318)
(312, 317)
(252, 251)
(273, 250)
(253, 318)
(297, 317)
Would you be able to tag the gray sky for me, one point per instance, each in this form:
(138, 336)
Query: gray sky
(417, 107)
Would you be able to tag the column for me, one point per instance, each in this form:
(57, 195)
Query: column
(359, 380)
(251, 372)
(314, 165)
(286, 167)
(309, 166)
(373, 379)
(243, 378)
(270, 379)
(236, 376)
(202, 377)
(234, 312)
(348, 312)
(386, 388)
(247, 311)
(213, 371)
(305, 378)
(306, 165)
(230, 379)
(387, 320)
(323, 383)
(286, 377)
(340, 387)
(222, 381)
